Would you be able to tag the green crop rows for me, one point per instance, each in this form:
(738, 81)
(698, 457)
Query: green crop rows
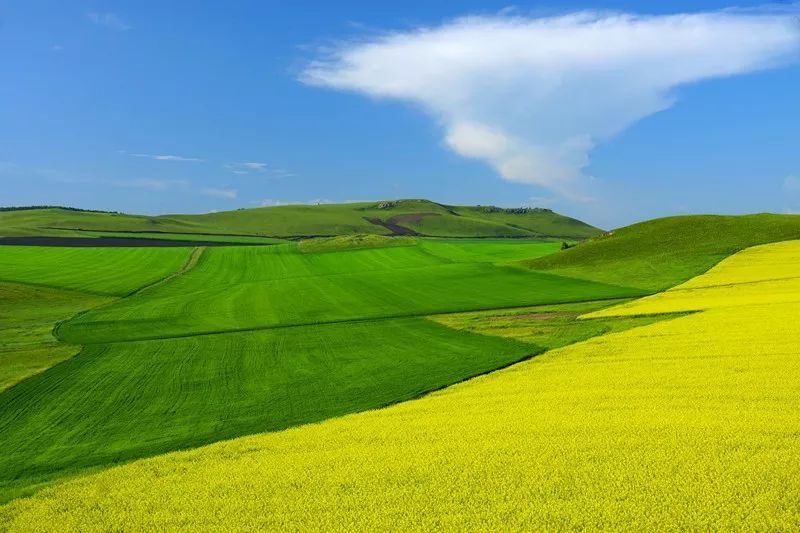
(226, 341)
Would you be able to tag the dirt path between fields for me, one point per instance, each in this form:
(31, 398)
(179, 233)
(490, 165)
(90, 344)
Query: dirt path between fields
(547, 315)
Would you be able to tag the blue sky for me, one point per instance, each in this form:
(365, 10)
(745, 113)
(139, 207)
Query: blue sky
(157, 107)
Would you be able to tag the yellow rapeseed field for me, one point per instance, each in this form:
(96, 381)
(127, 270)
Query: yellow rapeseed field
(691, 423)
(765, 274)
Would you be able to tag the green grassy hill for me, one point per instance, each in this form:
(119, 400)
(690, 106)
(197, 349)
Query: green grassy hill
(660, 253)
(378, 218)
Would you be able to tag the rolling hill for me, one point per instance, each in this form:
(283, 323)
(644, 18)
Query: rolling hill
(168, 348)
(162, 349)
(683, 424)
(400, 217)
(660, 253)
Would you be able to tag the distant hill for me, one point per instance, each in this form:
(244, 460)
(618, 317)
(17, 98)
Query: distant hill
(399, 217)
(660, 253)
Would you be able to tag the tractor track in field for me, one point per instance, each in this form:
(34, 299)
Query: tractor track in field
(190, 263)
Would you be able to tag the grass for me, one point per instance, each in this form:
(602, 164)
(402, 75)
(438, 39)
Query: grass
(236, 289)
(27, 315)
(102, 271)
(738, 280)
(497, 222)
(497, 251)
(661, 253)
(122, 401)
(352, 242)
(302, 221)
(546, 326)
(685, 424)
(204, 237)
(301, 337)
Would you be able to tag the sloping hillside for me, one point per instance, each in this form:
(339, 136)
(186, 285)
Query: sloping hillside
(660, 253)
(400, 217)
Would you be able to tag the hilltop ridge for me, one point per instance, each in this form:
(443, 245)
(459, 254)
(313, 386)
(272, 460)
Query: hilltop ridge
(387, 217)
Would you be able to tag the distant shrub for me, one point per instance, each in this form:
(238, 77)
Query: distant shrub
(513, 210)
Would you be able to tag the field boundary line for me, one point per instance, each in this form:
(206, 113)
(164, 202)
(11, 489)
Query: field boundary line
(399, 316)
(58, 287)
(190, 263)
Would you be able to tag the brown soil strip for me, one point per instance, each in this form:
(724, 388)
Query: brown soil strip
(537, 316)
(393, 223)
(394, 228)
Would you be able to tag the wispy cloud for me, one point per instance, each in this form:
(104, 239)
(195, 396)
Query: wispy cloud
(792, 184)
(152, 184)
(167, 157)
(255, 167)
(274, 203)
(532, 96)
(252, 165)
(220, 192)
(111, 21)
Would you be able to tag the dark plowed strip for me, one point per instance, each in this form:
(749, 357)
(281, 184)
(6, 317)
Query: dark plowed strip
(394, 228)
(111, 242)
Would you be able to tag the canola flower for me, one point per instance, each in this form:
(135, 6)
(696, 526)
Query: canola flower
(690, 423)
(765, 274)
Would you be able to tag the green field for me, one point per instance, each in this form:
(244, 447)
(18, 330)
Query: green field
(229, 341)
(238, 289)
(162, 349)
(658, 254)
(116, 271)
(308, 220)
(204, 237)
(120, 401)
(687, 424)
(353, 242)
(27, 315)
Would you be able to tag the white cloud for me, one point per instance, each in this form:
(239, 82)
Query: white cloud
(274, 203)
(252, 167)
(167, 157)
(247, 167)
(109, 20)
(220, 192)
(151, 184)
(532, 96)
(792, 184)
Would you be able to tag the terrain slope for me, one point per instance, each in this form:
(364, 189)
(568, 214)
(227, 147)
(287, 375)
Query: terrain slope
(663, 252)
(195, 345)
(398, 217)
(684, 424)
